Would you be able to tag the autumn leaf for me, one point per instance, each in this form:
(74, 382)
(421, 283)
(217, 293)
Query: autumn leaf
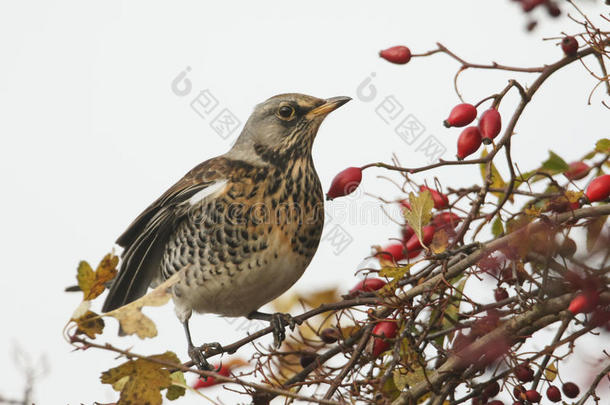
(421, 211)
(93, 283)
(496, 178)
(440, 240)
(141, 381)
(90, 324)
(603, 146)
(130, 316)
(551, 372)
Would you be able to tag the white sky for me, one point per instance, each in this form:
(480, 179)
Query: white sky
(92, 132)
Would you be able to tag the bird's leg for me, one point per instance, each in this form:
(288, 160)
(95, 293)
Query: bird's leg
(278, 322)
(197, 354)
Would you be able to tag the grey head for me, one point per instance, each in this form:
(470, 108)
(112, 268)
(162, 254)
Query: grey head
(283, 127)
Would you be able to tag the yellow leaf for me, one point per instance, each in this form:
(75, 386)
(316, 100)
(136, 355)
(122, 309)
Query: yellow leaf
(142, 380)
(90, 324)
(93, 283)
(573, 196)
(551, 372)
(421, 211)
(496, 177)
(132, 319)
(85, 277)
(440, 240)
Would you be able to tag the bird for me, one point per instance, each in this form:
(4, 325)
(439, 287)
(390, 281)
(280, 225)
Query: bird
(242, 227)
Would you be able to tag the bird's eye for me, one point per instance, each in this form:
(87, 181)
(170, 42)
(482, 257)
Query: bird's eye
(285, 112)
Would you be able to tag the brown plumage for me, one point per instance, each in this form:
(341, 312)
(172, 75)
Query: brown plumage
(242, 226)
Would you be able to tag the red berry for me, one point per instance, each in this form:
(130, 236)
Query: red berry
(533, 396)
(553, 393)
(461, 115)
(500, 294)
(413, 244)
(345, 183)
(519, 392)
(445, 220)
(395, 252)
(577, 171)
(599, 189)
(405, 204)
(585, 302)
(201, 383)
(492, 389)
(383, 329)
(569, 45)
(553, 9)
(529, 5)
(490, 125)
(440, 200)
(468, 142)
(329, 335)
(368, 285)
(524, 373)
(396, 54)
(570, 389)
(480, 400)
(407, 232)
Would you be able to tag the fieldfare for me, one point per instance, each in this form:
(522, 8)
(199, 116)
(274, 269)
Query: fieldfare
(242, 226)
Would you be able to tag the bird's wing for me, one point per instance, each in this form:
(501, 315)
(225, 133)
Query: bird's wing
(145, 239)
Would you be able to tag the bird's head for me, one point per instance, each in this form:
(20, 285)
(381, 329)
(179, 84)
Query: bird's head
(284, 126)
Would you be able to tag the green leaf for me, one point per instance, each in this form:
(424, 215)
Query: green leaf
(555, 164)
(176, 390)
(421, 211)
(603, 146)
(394, 272)
(497, 228)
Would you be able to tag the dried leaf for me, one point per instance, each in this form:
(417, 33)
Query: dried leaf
(551, 372)
(132, 319)
(440, 240)
(145, 381)
(90, 324)
(421, 211)
(93, 283)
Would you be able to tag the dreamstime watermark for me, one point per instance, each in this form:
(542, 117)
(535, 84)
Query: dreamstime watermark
(206, 106)
(406, 126)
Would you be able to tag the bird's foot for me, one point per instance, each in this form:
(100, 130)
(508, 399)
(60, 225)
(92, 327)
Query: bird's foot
(279, 321)
(197, 355)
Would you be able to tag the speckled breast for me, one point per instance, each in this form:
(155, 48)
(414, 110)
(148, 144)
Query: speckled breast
(248, 244)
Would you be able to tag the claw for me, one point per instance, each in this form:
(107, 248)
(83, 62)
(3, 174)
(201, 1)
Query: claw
(198, 357)
(279, 321)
